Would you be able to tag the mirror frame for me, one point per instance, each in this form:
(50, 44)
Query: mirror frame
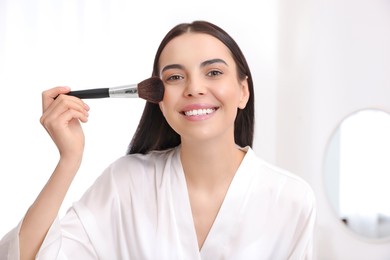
(327, 195)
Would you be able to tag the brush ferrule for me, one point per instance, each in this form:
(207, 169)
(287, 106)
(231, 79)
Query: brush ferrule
(127, 91)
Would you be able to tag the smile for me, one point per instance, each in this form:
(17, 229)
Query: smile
(199, 112)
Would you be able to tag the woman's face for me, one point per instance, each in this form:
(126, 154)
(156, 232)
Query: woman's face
(202, 90)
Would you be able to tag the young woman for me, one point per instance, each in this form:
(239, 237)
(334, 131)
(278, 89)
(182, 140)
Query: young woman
(191, 187)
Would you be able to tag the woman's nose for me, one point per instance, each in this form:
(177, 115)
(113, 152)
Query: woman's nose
(195, 88)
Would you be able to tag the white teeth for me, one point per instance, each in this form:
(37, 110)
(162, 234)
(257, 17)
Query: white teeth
(199, 112)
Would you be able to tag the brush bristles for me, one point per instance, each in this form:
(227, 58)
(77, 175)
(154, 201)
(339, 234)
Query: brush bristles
(151, 89)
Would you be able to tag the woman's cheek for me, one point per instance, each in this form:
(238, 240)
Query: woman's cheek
(161, 105)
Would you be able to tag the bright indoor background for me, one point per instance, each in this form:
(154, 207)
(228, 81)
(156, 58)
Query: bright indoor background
(313, 62)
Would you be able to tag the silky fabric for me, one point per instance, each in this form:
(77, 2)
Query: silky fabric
(139, 208)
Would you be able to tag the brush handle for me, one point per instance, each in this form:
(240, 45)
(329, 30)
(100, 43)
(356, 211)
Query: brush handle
(90, 93)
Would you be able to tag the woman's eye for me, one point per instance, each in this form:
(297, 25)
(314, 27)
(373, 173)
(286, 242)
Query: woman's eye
(174, 77)
(214, 73)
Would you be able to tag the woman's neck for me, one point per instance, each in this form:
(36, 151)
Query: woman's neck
(209, 164)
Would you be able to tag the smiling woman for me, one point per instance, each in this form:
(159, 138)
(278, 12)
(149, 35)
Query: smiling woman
(190, 187)
(202, 80)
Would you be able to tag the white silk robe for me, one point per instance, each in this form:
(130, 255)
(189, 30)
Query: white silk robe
(139, 209)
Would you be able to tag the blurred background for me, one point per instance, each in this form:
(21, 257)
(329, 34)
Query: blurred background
(315, 63)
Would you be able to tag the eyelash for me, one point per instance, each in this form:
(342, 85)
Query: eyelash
(214, 73)
(174, 77)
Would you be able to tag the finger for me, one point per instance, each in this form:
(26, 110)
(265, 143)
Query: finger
(58, 121)
(50, 95)
(66, 131)
(63, 104)
(66, 102)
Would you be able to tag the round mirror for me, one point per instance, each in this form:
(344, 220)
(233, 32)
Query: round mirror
(357, 173)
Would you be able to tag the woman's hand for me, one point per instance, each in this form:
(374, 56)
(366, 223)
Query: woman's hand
(61, 116)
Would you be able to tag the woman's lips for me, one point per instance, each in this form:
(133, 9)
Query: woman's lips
(199, 111)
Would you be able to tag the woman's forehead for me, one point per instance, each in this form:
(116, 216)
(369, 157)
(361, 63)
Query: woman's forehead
(195, 47)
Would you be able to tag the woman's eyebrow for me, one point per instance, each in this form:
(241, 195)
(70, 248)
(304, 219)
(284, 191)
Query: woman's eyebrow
(212, 61)
(172, 66)
(203, 64)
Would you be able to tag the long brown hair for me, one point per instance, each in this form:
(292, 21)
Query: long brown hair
(154, 132)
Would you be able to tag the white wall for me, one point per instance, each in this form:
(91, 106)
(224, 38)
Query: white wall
(334, 59)
(87, 44)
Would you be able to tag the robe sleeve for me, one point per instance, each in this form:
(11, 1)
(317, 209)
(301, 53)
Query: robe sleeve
(67, 236)
(9, 244)
(78, 234)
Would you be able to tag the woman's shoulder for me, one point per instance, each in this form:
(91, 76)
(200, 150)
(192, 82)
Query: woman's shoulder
(145, 160)
(278, 178)
(134, 171)
(142, 167)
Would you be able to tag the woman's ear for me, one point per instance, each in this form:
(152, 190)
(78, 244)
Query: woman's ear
(244, 93)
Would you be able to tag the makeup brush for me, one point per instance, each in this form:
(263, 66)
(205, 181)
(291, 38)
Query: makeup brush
(151, 89)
